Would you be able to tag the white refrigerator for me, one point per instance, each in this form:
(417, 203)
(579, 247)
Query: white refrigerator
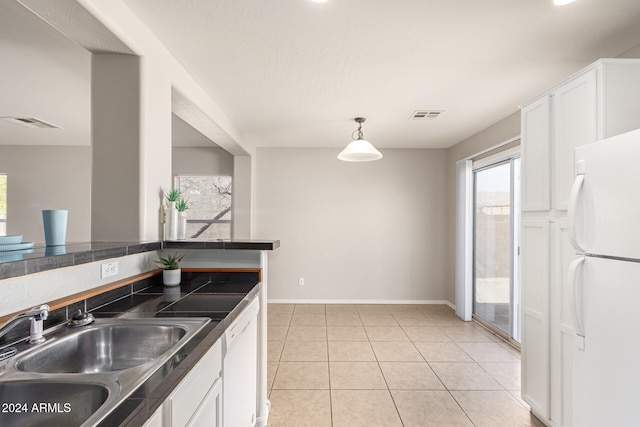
(604, 228)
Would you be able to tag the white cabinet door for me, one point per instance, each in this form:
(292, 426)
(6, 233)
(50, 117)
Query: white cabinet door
(535, 156)
(186, 399)
(562, 330)
(535, 314)
(575, 112)
(209, 413)
(619, 95)
(155, 420)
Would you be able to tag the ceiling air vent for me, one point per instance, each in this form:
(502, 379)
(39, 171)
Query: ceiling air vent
(31, 122)
(425, 114)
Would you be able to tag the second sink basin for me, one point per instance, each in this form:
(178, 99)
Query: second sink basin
(103, 348)
(47, 404)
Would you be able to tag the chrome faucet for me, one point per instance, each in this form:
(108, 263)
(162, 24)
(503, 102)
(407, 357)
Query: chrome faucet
(36, 315)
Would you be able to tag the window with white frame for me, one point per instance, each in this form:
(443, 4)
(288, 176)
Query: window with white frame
(209, 199)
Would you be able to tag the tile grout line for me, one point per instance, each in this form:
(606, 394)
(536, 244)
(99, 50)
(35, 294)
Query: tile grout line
(326, 327)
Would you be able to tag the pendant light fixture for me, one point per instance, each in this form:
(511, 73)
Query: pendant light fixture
(359, 150)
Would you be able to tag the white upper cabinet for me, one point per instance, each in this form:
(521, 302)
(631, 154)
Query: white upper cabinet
(574, 113)
(536, 169)
(600, 101)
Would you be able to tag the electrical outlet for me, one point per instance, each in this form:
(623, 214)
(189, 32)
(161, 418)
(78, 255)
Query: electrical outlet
(300, 281)
(109, 269)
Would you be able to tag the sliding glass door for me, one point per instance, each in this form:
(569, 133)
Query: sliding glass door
(496, 225)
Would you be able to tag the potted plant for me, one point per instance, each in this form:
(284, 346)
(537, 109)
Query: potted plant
(171, 231)
(172, 272)
(181, 206)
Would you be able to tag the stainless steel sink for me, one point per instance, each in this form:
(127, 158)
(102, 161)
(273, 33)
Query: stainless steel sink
(103, 348)
(93, 368)
(29, 403)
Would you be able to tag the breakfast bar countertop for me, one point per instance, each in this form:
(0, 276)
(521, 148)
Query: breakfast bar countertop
(42, 258)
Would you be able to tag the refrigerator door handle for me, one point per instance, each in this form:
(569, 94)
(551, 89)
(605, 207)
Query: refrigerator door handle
(576, 308)
(571, 213)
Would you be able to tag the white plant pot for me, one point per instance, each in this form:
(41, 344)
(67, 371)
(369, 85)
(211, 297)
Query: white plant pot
(182, 225)
(171, 277)
(171, 227)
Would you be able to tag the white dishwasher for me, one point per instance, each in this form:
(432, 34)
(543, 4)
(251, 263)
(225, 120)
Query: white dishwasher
(239, 369)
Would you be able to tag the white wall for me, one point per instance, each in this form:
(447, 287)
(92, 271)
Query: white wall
(355, 231)
(19, 293)
(201, 161)
(42, 177)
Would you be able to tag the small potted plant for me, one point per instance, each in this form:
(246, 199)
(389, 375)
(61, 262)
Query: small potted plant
(181, 206)
(172, 272)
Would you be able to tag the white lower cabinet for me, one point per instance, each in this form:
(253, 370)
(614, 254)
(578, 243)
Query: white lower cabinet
(197, 400)
(209, 413)
(155, 420)
(218, 392)
(562, 327)
(535, 264)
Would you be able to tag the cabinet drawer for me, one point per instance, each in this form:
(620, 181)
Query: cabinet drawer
(186, 398)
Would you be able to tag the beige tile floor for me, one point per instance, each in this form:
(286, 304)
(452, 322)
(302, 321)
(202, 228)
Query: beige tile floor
(389, 365)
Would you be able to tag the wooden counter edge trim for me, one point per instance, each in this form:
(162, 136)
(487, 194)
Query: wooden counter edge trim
(80, 296)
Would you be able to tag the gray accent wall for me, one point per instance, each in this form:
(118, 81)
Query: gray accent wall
(373, 231)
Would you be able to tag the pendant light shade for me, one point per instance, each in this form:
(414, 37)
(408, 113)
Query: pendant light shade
(359, 150)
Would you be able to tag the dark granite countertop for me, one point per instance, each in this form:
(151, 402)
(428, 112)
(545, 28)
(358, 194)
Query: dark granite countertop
(41, 258)
(221, 301)
(219, 297)
(265, 245)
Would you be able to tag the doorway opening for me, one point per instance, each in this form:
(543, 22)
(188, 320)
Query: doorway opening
(496, 225)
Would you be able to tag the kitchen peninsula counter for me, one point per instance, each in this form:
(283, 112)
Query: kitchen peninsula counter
(42, 258)
(219, 299)
(72, 280)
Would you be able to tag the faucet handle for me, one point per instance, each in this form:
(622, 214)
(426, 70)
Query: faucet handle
(80, 318)
(40, 312)
(37, 314)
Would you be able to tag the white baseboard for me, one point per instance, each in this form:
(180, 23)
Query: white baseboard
(368, 301)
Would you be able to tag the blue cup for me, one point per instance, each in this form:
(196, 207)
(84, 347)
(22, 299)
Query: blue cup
(55, 226)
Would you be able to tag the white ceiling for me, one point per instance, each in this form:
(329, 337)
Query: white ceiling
(293, 73)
